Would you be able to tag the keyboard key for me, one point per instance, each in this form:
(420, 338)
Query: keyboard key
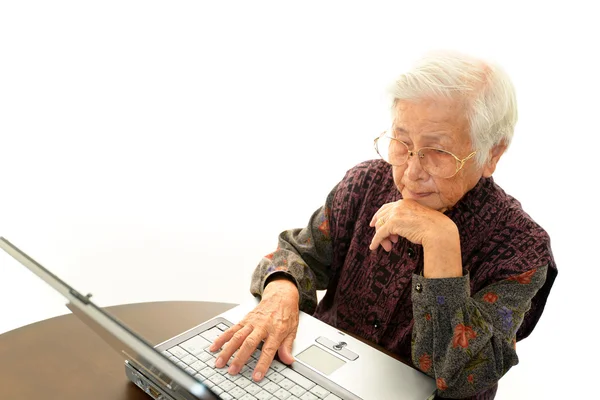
(211, 361)
(217, 379)
(182, 365)
(332, 396)
(190, 371)
(262, 382)
(277, 366)
(264, 395)
(204, 356)
(209, 384)
(299, 379)
(237, 392)
(178, 352)
(226, 385)
(207, 372)
(247, 396)
(319, 391)
(271, 387)
(242, 382)
(222, 327)
(198, 365)
(226, 396)
(211, 334)
(297, 390)
(276, 377)
(232, 378)
(222, 371)
(247, 374)
(282, 394)
(286, 384)
(212, 353)
(253, 388)
(189, 359)
(308, 396)
(216, 389)
(195, 345)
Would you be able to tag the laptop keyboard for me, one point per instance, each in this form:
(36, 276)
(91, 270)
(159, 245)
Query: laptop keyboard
(279, 383)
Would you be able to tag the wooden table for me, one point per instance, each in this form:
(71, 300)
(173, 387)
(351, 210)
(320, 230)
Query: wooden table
(61, 358)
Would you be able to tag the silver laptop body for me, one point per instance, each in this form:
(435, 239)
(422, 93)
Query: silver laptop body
(329, 364)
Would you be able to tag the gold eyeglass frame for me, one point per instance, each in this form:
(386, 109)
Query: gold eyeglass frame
(418, 152)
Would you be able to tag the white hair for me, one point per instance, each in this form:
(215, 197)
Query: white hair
(485, 88)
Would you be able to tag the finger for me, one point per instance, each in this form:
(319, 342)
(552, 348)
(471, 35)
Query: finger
(373, 220)
(246, 350)
(225, 336)
(379, 216)
(383, 210)
(266, 357)
(285, 350)
(232, 345)
(380, 234)
(386, 244)
(394, 238)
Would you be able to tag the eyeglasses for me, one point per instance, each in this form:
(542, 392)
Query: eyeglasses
(435, 162)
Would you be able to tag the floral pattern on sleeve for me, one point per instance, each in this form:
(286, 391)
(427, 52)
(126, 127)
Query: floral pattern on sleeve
(468, 342)
(304, 255)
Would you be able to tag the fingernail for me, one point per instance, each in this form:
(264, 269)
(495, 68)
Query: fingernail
(220, 362)
(233, 370)
(258, 376)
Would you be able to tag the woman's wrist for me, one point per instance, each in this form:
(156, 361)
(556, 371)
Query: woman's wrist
(279, 283)
(442, 255)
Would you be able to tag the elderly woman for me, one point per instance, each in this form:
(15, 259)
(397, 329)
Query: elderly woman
(420, 252)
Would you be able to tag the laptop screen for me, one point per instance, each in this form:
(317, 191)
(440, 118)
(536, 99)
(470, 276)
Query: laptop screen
(129, 344)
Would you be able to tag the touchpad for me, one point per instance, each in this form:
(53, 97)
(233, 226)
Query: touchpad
(319, 359)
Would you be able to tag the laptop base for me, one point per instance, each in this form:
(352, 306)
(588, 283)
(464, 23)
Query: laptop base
(145, 384)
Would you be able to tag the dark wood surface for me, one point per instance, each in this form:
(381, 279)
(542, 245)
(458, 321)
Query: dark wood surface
(61, 358)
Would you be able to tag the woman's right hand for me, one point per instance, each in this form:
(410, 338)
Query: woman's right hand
(274, 320)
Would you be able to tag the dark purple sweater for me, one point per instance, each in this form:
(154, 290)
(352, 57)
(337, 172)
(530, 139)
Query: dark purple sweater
(461, 331)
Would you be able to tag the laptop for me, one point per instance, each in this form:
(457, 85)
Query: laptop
(329, 364)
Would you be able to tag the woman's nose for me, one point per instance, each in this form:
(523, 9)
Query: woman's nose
(413, 166)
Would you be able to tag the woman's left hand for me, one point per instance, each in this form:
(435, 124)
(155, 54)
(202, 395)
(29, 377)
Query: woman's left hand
(411, 220)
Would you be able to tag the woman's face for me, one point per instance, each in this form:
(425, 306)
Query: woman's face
(441, 124)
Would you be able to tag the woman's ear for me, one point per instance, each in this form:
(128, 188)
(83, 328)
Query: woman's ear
(495, 154)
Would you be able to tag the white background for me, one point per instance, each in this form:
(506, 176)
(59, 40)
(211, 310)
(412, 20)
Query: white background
(154, 150)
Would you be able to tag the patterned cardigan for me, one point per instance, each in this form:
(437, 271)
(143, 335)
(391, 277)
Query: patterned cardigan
(461, 331)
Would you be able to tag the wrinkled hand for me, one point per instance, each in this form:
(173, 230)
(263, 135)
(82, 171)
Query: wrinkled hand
(437, 233)
(408, 219)
(274, 320)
